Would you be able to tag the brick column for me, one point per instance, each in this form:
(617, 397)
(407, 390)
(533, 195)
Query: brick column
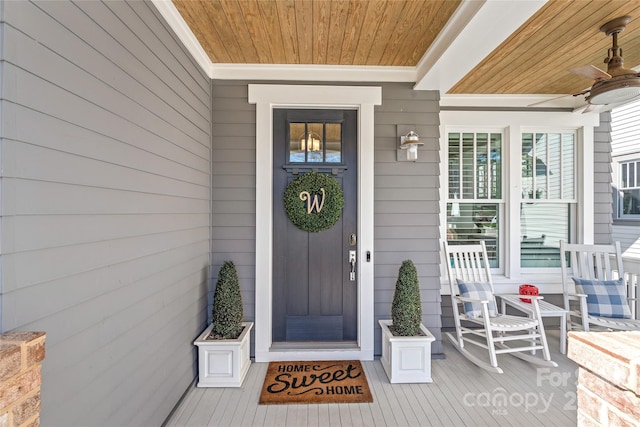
(609, 377)
(21, 354)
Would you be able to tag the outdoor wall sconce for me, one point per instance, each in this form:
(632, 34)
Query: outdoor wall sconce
(409, 142)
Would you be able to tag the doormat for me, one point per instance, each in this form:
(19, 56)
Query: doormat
(337, 381)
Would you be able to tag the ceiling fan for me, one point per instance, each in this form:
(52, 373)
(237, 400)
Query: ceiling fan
(617, 84)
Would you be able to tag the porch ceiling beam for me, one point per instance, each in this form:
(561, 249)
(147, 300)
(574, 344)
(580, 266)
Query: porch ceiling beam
(472, 33)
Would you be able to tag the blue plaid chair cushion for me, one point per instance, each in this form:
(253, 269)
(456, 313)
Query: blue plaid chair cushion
(604, 298)
(479, 291)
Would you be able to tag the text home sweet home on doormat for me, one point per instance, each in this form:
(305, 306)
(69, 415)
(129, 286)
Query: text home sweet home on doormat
(337, 381)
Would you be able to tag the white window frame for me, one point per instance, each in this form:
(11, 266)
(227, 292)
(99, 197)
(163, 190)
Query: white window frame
(617, 177)
(501, 202)
(513, 124)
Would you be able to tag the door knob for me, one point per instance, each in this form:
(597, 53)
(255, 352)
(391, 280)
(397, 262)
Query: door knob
(352, 263)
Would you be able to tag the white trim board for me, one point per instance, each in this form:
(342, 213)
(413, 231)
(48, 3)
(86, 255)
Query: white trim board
(266, 98)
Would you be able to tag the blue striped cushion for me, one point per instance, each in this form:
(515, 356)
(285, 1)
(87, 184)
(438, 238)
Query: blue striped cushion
(479, 291)
(604, 298)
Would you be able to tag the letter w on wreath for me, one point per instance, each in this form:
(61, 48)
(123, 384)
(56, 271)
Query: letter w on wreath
(312, 203)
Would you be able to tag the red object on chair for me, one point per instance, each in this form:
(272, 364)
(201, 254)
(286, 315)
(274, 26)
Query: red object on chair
(527, 289)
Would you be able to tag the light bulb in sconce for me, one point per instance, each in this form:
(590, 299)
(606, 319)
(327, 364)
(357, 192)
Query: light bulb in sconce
(410, 142)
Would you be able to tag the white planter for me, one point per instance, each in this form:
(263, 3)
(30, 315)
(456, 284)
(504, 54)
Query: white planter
(406, 359)
(223, 363)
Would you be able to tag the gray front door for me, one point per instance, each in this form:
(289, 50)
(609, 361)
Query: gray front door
(314, 294)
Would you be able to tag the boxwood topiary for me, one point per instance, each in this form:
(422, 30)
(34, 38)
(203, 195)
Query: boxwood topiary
(406, 309)
(227, 304)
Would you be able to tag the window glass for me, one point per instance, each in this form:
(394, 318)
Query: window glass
(496, 165)
(547, 192)
(542, 226)
(548, 166)
(467, 168)
(629, 190)
(315, 142)
(454, 165)
(334, 143)
(297, 149)
(568, 166)
(476, 204)
(475, 180)
(554, 161)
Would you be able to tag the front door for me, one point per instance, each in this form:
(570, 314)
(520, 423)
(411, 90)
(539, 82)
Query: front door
(314, 287)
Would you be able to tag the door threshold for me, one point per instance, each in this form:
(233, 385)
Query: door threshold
(314, 345)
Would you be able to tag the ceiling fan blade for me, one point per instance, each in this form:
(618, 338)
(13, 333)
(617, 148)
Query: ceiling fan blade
(544, 101)
(588, 109)
(590, 72)
(552, 100)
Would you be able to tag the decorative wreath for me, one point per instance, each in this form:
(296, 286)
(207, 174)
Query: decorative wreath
(314, 201)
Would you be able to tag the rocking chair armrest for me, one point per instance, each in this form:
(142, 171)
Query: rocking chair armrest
(577, 296)
(510, 296)
(465, 299)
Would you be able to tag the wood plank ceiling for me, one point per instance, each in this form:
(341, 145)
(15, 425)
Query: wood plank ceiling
(338, 32)
(563, 34)
(560, 36)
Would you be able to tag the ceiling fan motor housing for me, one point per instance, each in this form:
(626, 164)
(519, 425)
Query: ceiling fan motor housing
(618, 89)
(624, 84)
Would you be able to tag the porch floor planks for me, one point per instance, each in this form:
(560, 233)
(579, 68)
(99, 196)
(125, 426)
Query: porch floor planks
(374, 412)
(243, 401)
(206, 406)
(187, 406)
(252, 413)
(386, 398)
(459, 374)
(439, 403)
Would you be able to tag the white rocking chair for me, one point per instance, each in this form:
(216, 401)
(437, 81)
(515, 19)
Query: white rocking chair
(614, 308)
(469, 263)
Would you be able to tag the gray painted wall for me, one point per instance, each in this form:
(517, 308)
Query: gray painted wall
(406, 202)
(105, 151)
(406, 195)
(233, 190)
(602, 208)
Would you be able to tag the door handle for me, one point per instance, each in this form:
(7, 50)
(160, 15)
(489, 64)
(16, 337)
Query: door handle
(352, 263)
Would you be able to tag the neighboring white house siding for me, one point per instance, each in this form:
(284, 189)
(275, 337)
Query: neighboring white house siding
(625, 131)
(625, 135)
(602, 181)
(406, 195)
(105, 205)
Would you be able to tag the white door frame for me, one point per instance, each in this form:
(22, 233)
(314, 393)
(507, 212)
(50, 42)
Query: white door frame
(266, 98)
